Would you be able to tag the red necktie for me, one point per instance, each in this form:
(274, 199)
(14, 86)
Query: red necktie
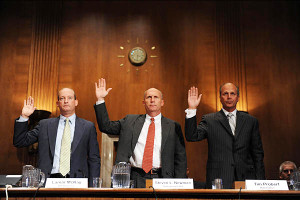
(148, 152)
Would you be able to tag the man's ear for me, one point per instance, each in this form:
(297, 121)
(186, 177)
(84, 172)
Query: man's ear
(76, 102)
(162, 103)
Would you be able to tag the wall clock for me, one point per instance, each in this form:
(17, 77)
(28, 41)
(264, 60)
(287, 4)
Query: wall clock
(137, 56)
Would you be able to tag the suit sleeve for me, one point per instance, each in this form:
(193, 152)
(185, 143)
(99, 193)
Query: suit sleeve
(23, 137)
(193, 132)
(257, 152)
(93, 155)
(180, 154)
(104, 124)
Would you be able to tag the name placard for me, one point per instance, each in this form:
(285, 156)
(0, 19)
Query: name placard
(266, 185)
(173, 183)
(66, 183)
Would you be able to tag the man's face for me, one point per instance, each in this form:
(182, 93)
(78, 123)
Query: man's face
(286, 172)
(229, 97)
(153, 102)
(67, 102)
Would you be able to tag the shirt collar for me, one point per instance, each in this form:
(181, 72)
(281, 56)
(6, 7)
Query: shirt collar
(226, 112)
(71, 118)
(157, 118)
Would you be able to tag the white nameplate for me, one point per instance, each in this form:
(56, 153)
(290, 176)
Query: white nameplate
(266, 185)
(66, 183)
(173, 183)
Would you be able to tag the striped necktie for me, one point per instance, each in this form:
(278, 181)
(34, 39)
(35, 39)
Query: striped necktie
(231, 122)
(65, 150)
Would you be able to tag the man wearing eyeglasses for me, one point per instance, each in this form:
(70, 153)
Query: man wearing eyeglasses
(67, 145)
(286, 169)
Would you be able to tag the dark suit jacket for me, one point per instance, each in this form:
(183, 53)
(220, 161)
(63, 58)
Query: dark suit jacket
(85, 158)
(173, 155)
(230, 157)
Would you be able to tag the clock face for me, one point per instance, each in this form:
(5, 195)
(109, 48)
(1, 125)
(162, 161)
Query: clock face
(137, 56)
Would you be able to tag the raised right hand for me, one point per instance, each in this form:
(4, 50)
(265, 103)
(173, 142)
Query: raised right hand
(101, 91)
(193, 98)
(28, 107)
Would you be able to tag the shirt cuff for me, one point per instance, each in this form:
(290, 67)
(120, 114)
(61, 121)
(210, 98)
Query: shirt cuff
(22, 119)
(190, 113)
(99, 102)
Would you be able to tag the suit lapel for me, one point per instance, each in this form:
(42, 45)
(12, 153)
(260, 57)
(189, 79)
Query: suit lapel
(165, 130)
(52, 133)
(137, 128)
(224, 121)
(78, 132)
(240, 120)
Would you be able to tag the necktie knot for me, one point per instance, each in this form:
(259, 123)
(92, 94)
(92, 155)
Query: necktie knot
(152, 119)
(229, 115)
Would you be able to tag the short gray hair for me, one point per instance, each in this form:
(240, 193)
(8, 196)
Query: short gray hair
(287, 163)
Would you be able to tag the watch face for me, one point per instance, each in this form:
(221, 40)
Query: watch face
(137, 56)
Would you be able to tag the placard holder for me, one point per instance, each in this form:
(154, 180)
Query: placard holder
(239, 184)
(149, 183)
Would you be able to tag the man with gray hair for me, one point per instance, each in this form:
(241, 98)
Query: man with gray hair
(286, 169)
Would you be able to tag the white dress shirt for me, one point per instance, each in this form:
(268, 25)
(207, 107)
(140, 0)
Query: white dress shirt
(136, 159)
(60, 131)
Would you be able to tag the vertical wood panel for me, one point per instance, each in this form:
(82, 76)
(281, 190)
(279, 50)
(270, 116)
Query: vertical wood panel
(43, 69)
(230, 66)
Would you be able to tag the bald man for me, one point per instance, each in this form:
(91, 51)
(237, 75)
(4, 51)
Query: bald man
(235, 150)
(168, 158)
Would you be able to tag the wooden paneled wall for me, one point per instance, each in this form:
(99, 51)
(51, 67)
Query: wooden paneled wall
(48, 46)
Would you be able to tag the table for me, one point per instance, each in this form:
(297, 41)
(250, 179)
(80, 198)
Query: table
(142, 194)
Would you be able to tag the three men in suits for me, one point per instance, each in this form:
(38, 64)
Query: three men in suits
(77, 137)
(168, 158)
(235, 150)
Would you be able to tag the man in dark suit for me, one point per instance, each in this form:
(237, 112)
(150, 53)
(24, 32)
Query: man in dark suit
(67, 145)
(168, 157)
(235, 150)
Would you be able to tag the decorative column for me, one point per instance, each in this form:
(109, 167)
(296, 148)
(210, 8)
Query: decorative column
(44, 57)
(230, 64)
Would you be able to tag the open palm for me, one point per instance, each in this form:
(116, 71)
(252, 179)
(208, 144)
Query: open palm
(193, 98)
(100, 88)
(28, 107)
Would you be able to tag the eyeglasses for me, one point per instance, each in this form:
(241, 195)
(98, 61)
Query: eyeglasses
(288, 170)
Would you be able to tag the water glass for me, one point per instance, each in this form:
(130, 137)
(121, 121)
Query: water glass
(131, 185)
(217, 184)
(97, 182)
(295, 180)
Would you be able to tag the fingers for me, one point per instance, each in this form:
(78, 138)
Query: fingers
(101, 83)
(109, 89)
(29, 102)
(199, 98)
(193, 91)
